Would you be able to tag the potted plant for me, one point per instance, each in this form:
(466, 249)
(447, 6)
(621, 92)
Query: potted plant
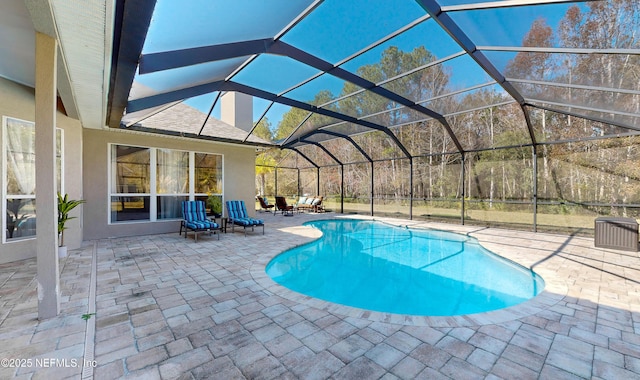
(215, 204)
(14, 218)
(65, 205)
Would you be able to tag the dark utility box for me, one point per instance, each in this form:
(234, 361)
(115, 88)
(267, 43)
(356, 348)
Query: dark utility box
(616, 233)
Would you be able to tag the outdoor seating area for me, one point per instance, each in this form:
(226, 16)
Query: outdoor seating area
(194, 218)
(166, 307)
(313, 204)
(237, 215)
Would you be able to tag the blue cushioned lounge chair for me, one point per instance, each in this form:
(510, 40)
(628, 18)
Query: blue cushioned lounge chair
(194, 218)
(237, 214)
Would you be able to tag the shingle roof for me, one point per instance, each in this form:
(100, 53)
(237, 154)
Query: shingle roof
(185, 120)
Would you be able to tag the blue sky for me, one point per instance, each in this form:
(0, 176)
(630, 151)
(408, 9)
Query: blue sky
(333, 31)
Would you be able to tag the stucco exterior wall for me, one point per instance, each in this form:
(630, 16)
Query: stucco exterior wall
(238, 171)
(18, 101)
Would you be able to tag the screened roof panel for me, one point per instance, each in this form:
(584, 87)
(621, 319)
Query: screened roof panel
(396, 116)
(332, 33)
(348, 129)
(274, 109)
(509, 26)
(319, 90)
(342, 149)
(289, 124)
(138, 90)
(360, 104)
(262, 126)
(173, 120)
(316, 121)
(185, 119)
(559, 126)
(129, 119)
(595, 70)
(463, 101)
(205, 102)
(185, 77)
(624, 103)
(186, 24)
(261, 106)
(273, 73)
(460, 72)
(320, 137)
(624, 120)
(216, 129)
(315, 138)
(399, 68)
(296, 144)
(426, 34)
(459, 2)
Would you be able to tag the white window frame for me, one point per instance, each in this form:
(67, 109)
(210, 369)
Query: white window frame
(154, 175)
(111, 180)
(153, 194)
(192, 173)
(192, 168)
(3, 182)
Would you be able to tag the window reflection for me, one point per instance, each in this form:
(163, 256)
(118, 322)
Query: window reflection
(170, 206)
(135, 198)
(172, 173)
(21, 157)
(21, 218)
(208, 173)
(126, 208)
(131, 172)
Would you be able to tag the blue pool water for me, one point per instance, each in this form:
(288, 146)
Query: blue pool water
(379, 267)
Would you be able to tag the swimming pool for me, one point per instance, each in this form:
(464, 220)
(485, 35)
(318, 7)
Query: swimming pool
(380, 267)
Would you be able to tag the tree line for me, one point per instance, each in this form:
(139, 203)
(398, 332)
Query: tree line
(578, 160)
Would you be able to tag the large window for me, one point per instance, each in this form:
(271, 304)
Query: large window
(130, 183)
(19, 191)
(172, 182)
(208, 180)
(176, 176)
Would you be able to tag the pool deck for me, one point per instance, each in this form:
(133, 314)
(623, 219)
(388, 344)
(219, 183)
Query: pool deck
(167, 307)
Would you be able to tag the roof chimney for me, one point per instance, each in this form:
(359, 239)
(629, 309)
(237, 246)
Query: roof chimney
(237, 110)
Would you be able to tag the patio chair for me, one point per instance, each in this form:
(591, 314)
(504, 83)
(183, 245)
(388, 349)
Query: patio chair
(194, 218)
(264, 205)
(304, 203)
(300, 203)
(281, 205)
(317, 205)
(237, 215)
(311, 203)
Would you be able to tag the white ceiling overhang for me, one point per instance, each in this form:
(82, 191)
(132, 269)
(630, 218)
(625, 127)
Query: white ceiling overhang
(84, 33)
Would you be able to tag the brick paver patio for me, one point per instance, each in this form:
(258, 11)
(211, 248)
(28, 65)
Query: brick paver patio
(168, 307)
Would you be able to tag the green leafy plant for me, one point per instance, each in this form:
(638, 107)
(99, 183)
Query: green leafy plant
(65, 205)
(87, 316)
(215, 204)
(13, 215)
